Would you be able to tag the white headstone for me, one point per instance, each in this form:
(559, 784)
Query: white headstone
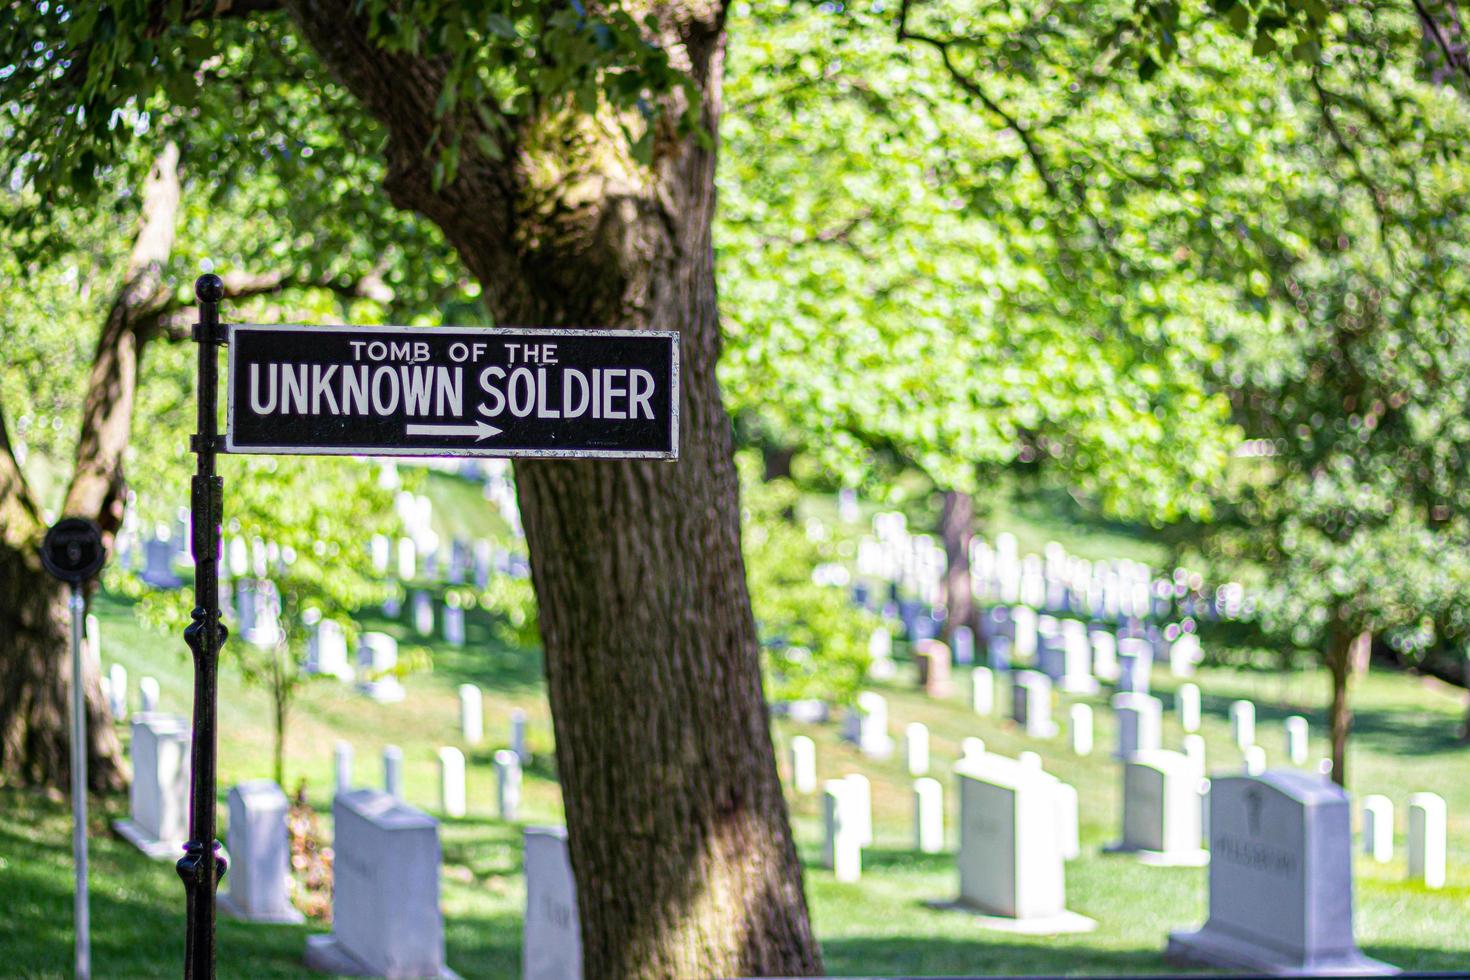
(1184, 653)
(1140, 723)
(118, 675)
(1030, 760)
(342, 763)
(982, 684)
(518, 736)
(471, 714)
(803, 764)
(423, 614)
(1187, 703)
(1427, 839)
(1104, 654)
(928, 815)
(393, 771)
(552, 938)
(860, 798)
(326, 651)
(385, 895)
(1077, 675)
(1255, 760)
(880, 650)
(1023, 623)
(1161, 809)
(1297, 734)
(1194, 751)
(94, 637)
(451, 781)
(508, 784)
(1080, 718)
(916, 748)
(1378, 828)
(1135, 661)
(867, 725)
(842, 843)
(453, 622)
(1069, 839)
(260, 855)
(1281, 880)
(1009, 860)
(1243, 724)
(148, 695)
(407, 560)
(159, 795)
(377, 657)
(1031, 703)
(971, 748)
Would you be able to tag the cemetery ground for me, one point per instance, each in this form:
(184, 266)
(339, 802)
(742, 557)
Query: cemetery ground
(883, 924)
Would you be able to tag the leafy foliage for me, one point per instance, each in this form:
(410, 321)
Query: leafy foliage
(815, 642)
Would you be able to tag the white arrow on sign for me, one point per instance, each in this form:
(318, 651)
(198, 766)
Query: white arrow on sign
(480, 430)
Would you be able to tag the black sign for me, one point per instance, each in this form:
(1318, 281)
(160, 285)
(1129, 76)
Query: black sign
(455, 391)
(72, 550)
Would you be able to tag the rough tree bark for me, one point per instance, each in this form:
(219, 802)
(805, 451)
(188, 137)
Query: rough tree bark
(35, 626)
(678, 830)
(957, 530)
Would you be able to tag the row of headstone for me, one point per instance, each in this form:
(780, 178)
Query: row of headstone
(1427, 832)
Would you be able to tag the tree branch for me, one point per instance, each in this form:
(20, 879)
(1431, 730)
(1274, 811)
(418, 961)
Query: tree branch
(1374, 194)
(1457, 59)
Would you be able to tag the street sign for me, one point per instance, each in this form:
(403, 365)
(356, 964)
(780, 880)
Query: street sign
(455, 391)
(72, 550)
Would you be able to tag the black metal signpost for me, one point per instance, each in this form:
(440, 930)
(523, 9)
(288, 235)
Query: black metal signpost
(392, 391)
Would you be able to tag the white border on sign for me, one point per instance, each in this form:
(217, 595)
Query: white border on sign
(449, 452)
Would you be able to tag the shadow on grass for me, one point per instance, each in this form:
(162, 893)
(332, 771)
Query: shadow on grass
(485, 660)
(988, 954)
(1386, 731)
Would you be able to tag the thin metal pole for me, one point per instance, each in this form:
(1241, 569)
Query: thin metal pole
(79, 786)
(201, 867)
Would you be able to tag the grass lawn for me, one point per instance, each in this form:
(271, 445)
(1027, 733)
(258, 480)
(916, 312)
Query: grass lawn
(882, 925)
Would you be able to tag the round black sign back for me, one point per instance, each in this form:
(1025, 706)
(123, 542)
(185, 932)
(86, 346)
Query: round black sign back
(72, 550)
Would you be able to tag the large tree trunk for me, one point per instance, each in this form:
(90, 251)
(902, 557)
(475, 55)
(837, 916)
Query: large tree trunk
(678, 830)
(35, 657)
(35, 630)
(957, 530)
(1340, 643)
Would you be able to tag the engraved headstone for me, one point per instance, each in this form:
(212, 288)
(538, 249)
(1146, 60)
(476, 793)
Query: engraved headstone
(552, 935)
(1281, 880)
